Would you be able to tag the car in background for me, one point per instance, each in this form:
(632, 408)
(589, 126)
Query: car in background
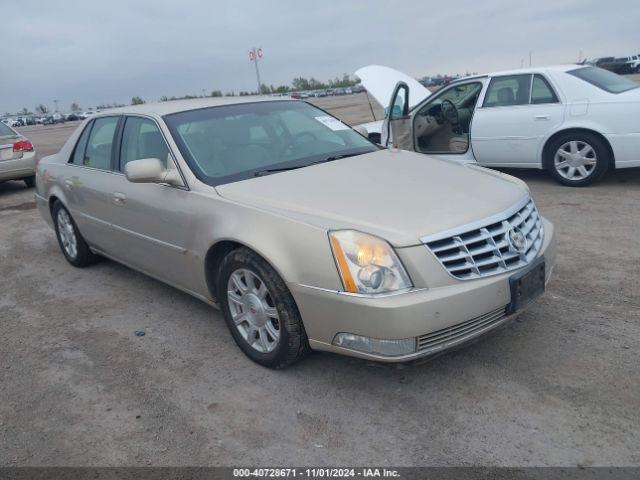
(621, 65)
(73, 117)
(358, 88)
(86, 114)
(228, 200)
(17, 123)
(575, 121)
(17, 157)
(295, 95)
(348, 91)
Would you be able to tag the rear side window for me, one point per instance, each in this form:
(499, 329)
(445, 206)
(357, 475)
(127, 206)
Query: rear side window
(541, 91)
(100, 145)
(141, 138)
(604, 79)
(81, 146)
(508, 90)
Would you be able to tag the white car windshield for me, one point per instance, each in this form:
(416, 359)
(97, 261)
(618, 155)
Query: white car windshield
(235, 142)
(604, 79)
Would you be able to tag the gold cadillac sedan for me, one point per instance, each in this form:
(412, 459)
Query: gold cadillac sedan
(305, 234)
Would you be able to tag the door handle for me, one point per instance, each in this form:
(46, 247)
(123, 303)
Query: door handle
(119, 198)
(543, 117)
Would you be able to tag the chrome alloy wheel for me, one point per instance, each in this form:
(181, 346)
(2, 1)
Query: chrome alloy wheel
(67, 234)
(575, 160)
(253, 310)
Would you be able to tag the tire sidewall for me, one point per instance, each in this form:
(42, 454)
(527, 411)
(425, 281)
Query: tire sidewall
(77, 261)
(602, 154)
(240, 259)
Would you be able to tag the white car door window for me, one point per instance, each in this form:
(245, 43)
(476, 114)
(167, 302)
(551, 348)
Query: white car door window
(518, 113)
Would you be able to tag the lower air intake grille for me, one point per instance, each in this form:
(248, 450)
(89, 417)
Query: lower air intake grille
(456, 333)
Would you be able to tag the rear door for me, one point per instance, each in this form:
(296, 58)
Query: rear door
(516, 115)
(88, 181)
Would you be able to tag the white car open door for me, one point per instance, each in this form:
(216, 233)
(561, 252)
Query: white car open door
(381, 83)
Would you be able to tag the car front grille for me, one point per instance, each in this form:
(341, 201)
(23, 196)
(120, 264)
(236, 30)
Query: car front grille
(446, 337)
(489, 248)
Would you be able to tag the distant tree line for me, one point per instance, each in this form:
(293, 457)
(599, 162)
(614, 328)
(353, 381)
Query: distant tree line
(298, 83)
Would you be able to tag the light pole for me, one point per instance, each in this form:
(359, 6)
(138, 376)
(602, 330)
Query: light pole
(255, 55)
(56, 103)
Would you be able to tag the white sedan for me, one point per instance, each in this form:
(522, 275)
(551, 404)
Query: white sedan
(574, 121)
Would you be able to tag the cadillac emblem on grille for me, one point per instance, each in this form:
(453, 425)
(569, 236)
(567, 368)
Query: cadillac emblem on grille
(517, 240)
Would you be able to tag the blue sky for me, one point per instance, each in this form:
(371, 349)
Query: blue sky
(100, 52)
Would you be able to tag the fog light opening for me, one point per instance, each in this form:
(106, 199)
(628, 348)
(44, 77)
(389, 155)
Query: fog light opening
(375, 346)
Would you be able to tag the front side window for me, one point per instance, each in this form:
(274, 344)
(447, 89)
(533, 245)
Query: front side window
(100, 145)
(508, 91)
(141, 138)
(541, 91)
(235, 142)
(604, 79)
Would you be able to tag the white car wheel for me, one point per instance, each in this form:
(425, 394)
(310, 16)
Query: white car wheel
(575, 160)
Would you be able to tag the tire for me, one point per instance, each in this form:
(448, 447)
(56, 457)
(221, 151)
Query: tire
(30, 182)
(74, 247)
(258, 307)
(577, 159)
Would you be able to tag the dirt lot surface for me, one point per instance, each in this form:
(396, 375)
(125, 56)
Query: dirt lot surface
(559, 386)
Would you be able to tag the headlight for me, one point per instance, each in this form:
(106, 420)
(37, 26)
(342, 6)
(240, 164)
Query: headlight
(367, 264)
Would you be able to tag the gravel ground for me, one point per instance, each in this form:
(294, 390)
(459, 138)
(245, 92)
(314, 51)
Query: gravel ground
(557, 387)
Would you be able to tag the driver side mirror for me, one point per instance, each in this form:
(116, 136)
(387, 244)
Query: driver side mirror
(150, 170)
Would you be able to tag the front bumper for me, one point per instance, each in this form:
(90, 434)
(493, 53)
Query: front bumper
(422, 313)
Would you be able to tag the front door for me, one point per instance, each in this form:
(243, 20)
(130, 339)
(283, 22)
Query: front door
(397, 131)
(517, 114)
(441, 125)
(151, 222)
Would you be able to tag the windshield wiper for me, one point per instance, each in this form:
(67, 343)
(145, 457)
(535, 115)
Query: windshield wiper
(261, 173)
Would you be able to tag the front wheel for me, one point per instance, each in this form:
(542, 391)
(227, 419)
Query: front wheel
(260, 311)
(577, 159)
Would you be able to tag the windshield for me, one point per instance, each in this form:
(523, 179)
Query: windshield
(604, 79)
(6, 131)
(235, 142)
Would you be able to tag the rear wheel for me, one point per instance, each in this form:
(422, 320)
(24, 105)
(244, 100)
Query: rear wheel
(577, 159)
(72, 244)
(260, 311)
(30, 182)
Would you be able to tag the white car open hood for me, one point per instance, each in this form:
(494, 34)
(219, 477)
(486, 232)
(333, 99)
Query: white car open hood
(380, 82)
